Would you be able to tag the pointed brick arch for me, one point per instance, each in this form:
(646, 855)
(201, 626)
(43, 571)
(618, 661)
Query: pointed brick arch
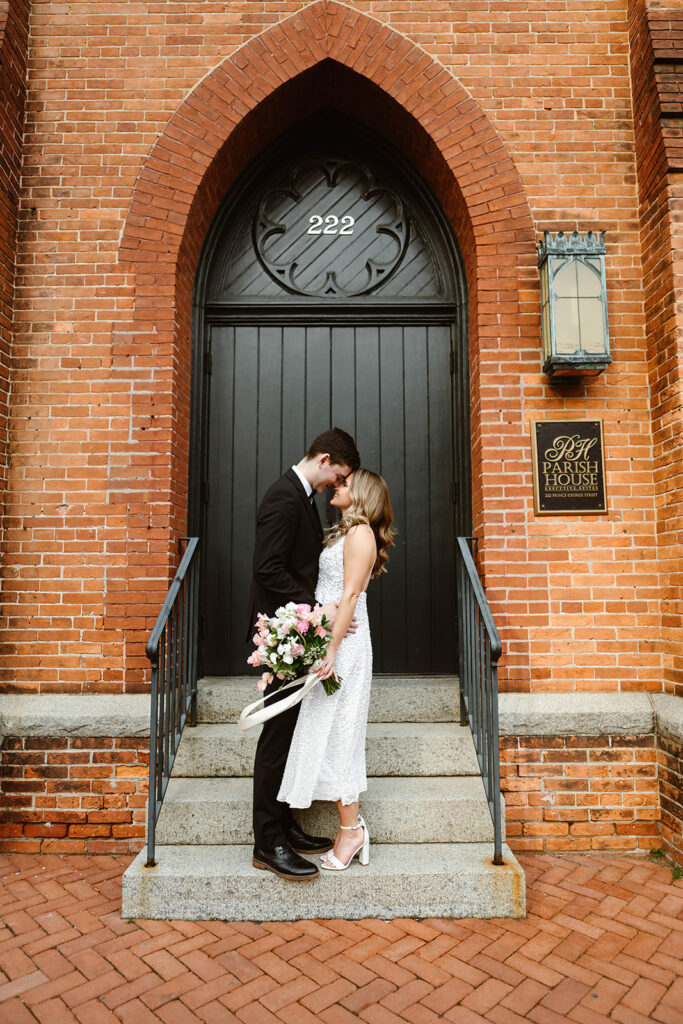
(327, 54)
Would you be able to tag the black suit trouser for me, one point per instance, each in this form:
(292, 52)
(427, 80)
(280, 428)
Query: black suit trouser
(272, 818)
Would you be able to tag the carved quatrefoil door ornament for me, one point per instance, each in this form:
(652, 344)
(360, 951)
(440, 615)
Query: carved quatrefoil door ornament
(331, 230)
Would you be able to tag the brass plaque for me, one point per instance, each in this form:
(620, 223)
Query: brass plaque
(569, 467)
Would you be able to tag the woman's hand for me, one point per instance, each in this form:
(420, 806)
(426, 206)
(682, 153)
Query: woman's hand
(327, 665)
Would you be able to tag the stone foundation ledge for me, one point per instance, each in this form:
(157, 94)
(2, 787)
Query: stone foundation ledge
(97, 714)
(520, 714)
(590, 714)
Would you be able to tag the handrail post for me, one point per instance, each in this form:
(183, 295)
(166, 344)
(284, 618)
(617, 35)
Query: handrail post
(151, 801)
(172, 653)
(480, 649)
(495, 782)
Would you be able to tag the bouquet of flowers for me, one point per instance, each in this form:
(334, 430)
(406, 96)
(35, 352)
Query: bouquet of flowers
(290, 643)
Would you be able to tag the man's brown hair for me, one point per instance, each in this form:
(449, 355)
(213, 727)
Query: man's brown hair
(339, 445)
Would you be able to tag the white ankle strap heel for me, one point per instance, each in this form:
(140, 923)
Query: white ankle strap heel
(363, 850)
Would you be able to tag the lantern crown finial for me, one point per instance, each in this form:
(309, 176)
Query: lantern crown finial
(592, 244)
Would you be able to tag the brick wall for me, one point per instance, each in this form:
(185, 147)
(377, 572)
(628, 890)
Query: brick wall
(78, 795)
(13, 58)
(580, 792)
(138, 118)
(657, 48)
(88, 795)
(670, 759)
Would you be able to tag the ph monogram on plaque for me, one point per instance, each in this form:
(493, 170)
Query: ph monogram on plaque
(569, 467)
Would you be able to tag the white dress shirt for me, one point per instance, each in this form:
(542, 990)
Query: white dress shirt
(304, 481)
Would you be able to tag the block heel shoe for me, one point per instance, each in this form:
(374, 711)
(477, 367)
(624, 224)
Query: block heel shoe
(363, 851)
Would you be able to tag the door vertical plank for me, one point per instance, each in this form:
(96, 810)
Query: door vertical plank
(343, 394)
(367, 395)
(318, 394)
(368, 442)
(393, 634)
(418, 589)
(343, 379)
(243, 519)
(218, 562)
(270, 397)
(318, 369)
(294, 440)
(441, 517)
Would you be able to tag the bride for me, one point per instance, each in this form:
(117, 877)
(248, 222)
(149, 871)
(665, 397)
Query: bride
(327, 755)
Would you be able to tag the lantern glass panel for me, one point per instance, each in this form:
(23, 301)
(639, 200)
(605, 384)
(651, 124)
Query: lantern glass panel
(545, 311)
(566, 325)
(565, 281)
(579, 314)
(592, 323)
(588, 279)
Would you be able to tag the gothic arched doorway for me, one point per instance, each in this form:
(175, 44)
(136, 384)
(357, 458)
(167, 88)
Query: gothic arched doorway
(331, 292)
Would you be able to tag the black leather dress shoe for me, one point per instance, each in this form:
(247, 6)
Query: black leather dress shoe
(303, 843)
(285, 863)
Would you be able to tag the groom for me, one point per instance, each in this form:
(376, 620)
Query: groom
(287, 546)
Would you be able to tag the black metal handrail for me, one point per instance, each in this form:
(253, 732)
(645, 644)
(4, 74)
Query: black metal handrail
(480, 649)
(172, 650)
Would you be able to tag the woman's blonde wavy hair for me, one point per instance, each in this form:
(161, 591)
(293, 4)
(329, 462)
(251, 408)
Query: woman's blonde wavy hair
(370, 504)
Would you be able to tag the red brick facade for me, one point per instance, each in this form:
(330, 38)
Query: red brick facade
(670, 772)
(657, 49)
(561, 793)
(13, 57)
(580, 792)
(519, 121)
(138, 119)
(73, 795)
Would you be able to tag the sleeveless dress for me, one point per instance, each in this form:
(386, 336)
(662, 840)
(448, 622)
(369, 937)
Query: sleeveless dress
(327, 754)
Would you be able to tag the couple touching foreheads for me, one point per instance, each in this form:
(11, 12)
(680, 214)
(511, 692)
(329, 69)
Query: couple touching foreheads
(316, 749)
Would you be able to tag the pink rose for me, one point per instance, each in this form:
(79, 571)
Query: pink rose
(302, 609)
(302, 625)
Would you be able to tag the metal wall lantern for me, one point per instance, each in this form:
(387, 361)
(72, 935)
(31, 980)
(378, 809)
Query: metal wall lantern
(573, 306)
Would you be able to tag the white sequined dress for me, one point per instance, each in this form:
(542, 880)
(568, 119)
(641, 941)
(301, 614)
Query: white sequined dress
(327, 754)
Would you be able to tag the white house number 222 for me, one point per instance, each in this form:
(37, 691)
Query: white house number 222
(332, 225)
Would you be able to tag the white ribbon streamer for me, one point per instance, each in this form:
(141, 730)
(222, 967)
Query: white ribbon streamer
(251, 717)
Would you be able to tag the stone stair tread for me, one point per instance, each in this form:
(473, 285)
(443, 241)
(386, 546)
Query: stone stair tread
(430, 698)
(398, 810)
(400, 729)
(433, 787)
(402, 880)
(377, 680)
(393, 748)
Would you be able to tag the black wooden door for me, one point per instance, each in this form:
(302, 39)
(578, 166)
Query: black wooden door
(331, 294)
(272, 389)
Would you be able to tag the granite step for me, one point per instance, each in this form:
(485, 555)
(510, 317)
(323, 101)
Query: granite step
(392, 698)
(397, 810)
(392, 749)
(200, 883)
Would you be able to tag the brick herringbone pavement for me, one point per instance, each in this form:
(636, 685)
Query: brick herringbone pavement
(603, 942)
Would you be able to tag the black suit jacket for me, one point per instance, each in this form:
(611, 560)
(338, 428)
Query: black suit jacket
(287, 546)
